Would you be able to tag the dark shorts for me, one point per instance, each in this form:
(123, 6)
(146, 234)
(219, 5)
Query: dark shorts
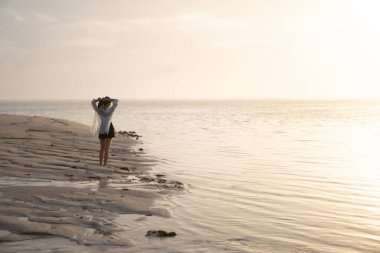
(111, 133)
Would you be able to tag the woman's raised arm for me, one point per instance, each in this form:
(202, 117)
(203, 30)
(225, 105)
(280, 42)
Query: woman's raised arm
(115, 102)
(93, 103)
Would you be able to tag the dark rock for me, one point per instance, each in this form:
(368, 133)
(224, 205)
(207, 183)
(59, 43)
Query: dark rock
(141, 149)
(146, 179)
(176, 182)
(129, 134)
(160, 175)
(124, 168)
(161, 181)
(160, 233)
(94, 177)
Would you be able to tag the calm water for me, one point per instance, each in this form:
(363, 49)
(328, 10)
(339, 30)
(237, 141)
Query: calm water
(263, 176)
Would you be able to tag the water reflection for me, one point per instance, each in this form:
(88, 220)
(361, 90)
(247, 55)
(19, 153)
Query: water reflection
(270, 176)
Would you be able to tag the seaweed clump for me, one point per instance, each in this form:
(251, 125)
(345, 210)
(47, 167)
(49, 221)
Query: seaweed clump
(131, 134)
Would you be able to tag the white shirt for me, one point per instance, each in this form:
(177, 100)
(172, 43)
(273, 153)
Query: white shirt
(105, 116)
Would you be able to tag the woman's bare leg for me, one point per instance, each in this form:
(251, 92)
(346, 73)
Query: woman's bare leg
(101, 151)
(106, 150)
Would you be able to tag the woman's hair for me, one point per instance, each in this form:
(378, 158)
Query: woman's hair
(103, 103)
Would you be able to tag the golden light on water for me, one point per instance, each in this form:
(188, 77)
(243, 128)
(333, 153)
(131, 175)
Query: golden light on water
(276, 176)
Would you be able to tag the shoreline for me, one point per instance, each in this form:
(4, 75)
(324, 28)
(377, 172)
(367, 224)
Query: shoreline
(52, 186)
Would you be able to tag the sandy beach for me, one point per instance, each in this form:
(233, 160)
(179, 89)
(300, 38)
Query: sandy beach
(52, 186)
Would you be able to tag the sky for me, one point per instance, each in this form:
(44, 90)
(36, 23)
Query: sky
(198, 49)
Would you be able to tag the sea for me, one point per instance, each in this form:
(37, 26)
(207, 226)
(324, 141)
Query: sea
(261, 176)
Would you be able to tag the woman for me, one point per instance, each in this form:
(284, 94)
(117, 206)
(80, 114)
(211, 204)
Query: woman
(103, 125)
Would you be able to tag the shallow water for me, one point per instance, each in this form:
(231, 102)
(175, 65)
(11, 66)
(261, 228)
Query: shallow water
(263, 176)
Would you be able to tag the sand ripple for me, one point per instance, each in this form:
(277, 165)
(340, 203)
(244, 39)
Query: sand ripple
(51, 185)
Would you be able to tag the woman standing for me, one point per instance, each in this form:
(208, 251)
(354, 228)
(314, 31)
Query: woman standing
(102, 124)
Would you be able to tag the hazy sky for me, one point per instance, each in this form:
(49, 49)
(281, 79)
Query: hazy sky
(178, 49)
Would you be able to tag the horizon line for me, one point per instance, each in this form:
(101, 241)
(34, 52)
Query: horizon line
(191, 99)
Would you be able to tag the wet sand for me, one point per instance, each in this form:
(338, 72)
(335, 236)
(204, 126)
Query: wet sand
(52, 186)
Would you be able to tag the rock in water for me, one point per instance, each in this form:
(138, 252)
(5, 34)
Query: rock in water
(160, 233)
